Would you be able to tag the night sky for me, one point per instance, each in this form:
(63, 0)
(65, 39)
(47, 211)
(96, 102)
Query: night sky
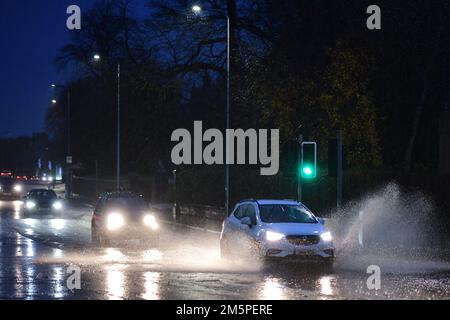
(31, 33)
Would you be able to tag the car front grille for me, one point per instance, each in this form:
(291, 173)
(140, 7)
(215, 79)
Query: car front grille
(304, 240)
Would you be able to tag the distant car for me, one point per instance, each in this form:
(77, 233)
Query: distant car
(47, 178)
(123, 215)
(276, 230)
(24, 178)
(6, 173)
(42, 202)
(10, 188)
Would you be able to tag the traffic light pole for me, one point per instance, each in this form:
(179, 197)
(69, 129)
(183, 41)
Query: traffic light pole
(299, 176)
(68, 177)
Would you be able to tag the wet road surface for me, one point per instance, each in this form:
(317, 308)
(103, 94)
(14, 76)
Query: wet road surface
(37, 257)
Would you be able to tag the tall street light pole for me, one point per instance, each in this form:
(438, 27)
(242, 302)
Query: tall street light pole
(68, 189)
(197, 10)
(118, 127)
(97, 58)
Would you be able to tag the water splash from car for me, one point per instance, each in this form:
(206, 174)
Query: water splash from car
(392, 228)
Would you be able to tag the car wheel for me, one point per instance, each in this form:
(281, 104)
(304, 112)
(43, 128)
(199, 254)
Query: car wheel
(105, 242)
(98, 238)
(94, 236)
(328, 266)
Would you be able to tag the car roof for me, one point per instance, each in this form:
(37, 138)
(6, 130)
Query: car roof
(272, 201)
(121, 194)
(42, 190)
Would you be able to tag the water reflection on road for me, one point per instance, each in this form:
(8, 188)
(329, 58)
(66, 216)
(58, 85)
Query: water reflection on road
(34, 264)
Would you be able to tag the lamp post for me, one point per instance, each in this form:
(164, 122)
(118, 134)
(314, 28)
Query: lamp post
(97, 57)
(196, 9)
(68, 189)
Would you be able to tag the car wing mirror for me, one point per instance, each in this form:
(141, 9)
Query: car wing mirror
(247, 221)
(321, 221)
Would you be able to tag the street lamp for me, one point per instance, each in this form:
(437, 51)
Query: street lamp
(68, 175)
(97, 57)
(196, 9)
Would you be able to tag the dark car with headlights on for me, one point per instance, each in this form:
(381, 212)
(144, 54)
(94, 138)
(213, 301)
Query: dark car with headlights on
(42, 202)
(124, 215)
(10, 188)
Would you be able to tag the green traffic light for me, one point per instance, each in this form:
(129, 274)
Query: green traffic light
(307, 171)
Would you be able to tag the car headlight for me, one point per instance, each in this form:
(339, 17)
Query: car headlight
(57, 205)
(115, 221)
(326, 236)
(17, 188)
(30, 204)
(50, 179)
(150, 221)
(274, 236)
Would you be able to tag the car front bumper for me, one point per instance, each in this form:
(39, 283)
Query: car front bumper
(283, 249)
(131, 233)
(42, 211)
(10, 195)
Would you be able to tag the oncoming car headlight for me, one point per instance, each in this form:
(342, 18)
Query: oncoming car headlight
(17, 188)
(150, 221)
(274, 236)
(115, 221)
(30, 204)
(57, 205)
(326, 236)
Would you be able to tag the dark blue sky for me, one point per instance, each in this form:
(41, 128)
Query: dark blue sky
(31, 33)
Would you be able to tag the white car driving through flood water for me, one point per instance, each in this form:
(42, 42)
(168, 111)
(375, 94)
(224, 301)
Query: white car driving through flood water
(277, 230)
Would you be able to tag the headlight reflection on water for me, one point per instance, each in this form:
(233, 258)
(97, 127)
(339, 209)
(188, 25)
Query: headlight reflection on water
(113, 255)
(17, 205)
(151, 255)
(272, 290)
(115, 283)
(30, 248)
(325, 286)
(58, 224)
(151, 286)
(59, 276)
(57, 253)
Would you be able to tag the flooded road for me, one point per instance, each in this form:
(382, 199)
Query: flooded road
(37, 257)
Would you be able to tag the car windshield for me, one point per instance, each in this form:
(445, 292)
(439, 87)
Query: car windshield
(6, 180)
(129, 203)
(43, 194)
(284, 213)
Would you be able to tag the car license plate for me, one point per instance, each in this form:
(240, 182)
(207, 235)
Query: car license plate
(304, 253)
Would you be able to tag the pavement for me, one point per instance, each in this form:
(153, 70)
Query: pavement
(38, 256)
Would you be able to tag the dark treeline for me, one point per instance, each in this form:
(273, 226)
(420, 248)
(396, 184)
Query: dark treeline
(300, 66)
(21, 154)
